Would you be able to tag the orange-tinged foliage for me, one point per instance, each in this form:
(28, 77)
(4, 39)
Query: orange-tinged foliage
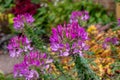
(103, 58)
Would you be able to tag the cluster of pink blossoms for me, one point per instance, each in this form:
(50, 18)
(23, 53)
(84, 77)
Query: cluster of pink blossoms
(69, 39)
(31, 61)
(22, 70)
(110, 40)
(18, 45)
(21, 20)
(76, 16)
(21, 45)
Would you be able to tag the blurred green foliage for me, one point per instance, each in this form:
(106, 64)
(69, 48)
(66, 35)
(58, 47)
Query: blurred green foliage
(1, 76)
(5, 4)
(117, 0)
(116, 70)
(58, 12)
(9, 77)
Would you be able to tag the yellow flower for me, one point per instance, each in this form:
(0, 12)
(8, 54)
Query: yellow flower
(91, 29)
(10, 17)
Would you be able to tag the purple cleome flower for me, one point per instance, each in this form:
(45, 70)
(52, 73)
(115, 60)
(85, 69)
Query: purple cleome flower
(23, 70)
(113, 40)
(19, 45)
(27, 67)
(35, 58)
(21, 20)
(79, 15)
(108, 40)
(67, 38)
(85, 16)
(75, 16)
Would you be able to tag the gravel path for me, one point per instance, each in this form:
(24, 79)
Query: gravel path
(7, 63)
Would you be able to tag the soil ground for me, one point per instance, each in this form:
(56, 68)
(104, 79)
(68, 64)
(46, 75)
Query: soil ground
(7, 63)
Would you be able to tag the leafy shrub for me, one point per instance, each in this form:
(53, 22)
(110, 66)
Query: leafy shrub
(5, 5)
(54, 14)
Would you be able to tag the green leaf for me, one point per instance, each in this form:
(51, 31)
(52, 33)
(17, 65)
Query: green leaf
(83, 68)
(7, 3)
(90, 53)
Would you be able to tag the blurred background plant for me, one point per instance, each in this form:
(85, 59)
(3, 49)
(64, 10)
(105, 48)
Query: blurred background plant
(6, 22)
(6, 30)
(7, 77)
(117, 0)
(27, 7)
(53, 13)
(49, 13)
(5, 5)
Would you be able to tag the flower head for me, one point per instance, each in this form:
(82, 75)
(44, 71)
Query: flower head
(21, 20)
(33, 60)
(18, 45)
(113, 40)
(22, 70)
(109, 40)
(67, 37)
(85, 16)
(92, 29)
(77, 16)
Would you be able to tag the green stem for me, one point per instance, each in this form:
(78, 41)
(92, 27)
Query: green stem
(39, 44)
(66, 76)
(84, 71)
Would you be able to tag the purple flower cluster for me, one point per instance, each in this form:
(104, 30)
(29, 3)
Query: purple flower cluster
(68, 39)
(113, 40)
(32, 60)
(22, 70)
(77, 16)
(21, 20)
(35, 58)
(19, 45)
(108, 40)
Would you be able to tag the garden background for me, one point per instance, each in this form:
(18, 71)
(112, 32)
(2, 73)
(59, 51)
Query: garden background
(89, 48)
